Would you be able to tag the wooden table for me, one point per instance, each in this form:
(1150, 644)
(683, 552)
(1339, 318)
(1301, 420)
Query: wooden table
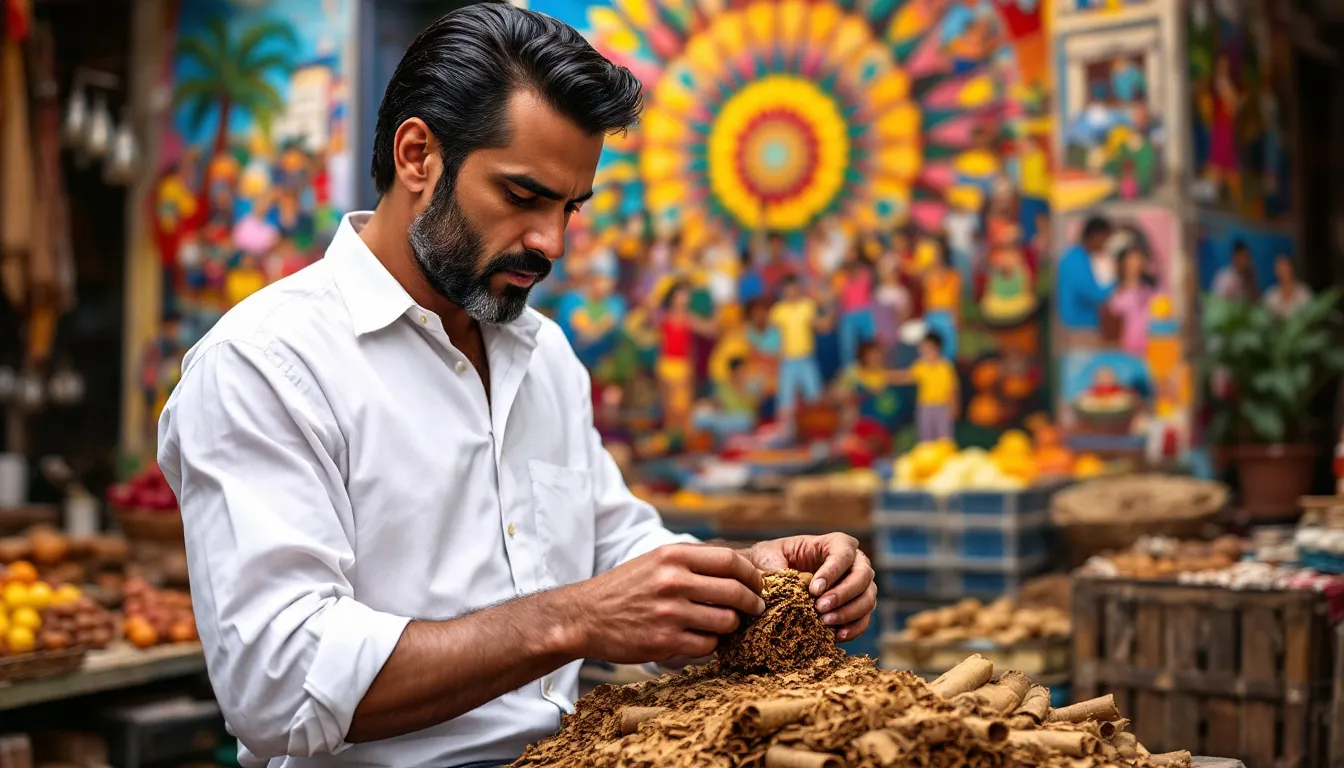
(119, 666)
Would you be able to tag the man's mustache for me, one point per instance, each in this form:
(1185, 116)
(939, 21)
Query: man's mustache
(529, 261)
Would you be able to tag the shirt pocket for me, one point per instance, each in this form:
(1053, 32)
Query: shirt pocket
(562, 503)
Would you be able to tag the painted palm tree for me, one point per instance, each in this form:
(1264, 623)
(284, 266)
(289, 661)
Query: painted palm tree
(234, 74)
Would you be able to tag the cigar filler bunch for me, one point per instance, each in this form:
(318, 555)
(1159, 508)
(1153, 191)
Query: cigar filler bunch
(782, 695)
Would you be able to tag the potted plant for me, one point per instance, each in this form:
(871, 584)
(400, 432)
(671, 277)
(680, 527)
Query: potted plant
(1262, 373)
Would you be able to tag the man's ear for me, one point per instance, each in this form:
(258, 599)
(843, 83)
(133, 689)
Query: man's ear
(414, 153)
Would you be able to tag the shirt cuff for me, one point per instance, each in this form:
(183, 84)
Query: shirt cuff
(354, 643)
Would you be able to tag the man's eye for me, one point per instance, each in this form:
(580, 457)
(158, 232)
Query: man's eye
(518, 199)
(574, 208)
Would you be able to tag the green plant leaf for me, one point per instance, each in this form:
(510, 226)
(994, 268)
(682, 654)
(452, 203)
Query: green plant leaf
(1276, 382)
(1267, 423)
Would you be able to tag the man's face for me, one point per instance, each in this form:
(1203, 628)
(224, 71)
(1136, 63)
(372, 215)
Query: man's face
(483, 240)
(1241, 261)
(1097, 242)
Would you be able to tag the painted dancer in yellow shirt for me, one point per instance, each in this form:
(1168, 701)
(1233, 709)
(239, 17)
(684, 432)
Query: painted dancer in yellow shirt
(797, 318)
(937, 390)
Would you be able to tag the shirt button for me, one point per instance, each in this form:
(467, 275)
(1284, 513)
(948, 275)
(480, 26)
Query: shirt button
(461, 366)
(423, 319)
(512, 531)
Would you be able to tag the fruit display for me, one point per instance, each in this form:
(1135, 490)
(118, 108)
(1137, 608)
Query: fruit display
(147, 492)
(782, 695)
(38, 616)
(1161, 557)
(1014, 463)
(157, 616)
(1003, 622)
(59, 558)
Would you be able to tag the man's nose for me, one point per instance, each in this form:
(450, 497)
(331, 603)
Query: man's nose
(547, 236)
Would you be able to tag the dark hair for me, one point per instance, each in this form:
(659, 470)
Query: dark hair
(734, 363)
(789, 281)
(1096, 225)
(672, 291)
(457, 76)
(935, 338)
(867, 346)
(1239, 246)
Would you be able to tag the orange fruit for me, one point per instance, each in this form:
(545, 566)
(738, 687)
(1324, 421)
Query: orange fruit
(26, 618)
(20, 640)
(23, 572)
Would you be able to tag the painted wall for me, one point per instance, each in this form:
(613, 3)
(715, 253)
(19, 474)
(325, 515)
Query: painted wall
(255, 164)
(900, 152)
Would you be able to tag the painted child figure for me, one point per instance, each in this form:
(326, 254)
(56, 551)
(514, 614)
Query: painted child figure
(937, 390)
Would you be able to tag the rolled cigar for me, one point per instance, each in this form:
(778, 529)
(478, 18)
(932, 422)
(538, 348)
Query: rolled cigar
(881, 746)
(631, 717)
(1126, 744)
(1103, 729)
(1100, 708)
(991, 731)
(789, 757)
(1180, 758)
(1004, 696)
(774, 714)
(1068, 743)
(1120, 725)
(1109, 753)
(1035, 704)
(970, 674)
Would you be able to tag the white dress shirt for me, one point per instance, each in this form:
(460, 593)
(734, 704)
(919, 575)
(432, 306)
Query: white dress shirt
(341, 473)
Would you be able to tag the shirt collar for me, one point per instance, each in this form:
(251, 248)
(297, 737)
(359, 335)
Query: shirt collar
(373, 296)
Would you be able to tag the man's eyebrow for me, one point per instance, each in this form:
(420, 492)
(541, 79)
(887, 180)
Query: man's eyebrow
(541, 190)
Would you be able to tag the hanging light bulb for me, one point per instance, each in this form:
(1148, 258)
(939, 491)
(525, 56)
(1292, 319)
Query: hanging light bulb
(99, 134)
(124, 154)
(76, 118)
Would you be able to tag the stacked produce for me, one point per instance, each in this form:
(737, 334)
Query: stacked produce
(65, 559)
(1012, 464)
(155, 616)
(1162, 557)
(37, 616)
(1003, 622)
(830, 711)
(147, 492)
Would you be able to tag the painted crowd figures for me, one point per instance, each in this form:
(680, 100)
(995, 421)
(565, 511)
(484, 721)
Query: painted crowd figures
(252, 161)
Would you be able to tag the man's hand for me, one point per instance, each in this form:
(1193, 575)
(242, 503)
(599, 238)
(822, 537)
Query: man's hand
(673, 602)
(842, 576)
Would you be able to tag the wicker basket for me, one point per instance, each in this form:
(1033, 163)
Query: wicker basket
(139, 525)
(29, 666)
(1111, 514)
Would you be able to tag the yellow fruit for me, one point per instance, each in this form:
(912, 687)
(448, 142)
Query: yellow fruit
(39, 595)
(22, 571)
(1088, 465)
(20, 640)
(26, 618)
(1015, 441)
(15, 595)
(66, 594)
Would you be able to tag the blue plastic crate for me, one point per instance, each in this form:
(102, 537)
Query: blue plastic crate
(957, 578)
(979, 503)
(918, 538)
(1060, 695)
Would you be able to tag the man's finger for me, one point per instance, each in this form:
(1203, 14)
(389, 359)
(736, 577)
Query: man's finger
(840, 550)
(851, 631)
(724, 563)
(859, 578)
(725, 593)
(711, 620)
(853, 610)
(769, 559)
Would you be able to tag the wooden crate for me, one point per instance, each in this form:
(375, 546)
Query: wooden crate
(1244, 674)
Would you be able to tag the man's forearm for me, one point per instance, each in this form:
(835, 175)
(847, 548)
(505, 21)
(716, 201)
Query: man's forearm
(443, 669)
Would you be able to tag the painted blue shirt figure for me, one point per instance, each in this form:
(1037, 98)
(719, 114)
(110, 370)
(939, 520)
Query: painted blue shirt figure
(1079, 293)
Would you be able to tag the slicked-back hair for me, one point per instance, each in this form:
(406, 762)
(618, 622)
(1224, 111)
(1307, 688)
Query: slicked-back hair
(459, 73)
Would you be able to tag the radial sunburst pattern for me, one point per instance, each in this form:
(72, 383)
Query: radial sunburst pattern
(773, 113)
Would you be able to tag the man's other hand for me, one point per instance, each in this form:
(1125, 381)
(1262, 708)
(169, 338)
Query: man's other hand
(842, 578)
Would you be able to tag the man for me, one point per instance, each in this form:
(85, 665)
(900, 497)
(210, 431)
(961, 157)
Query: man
(1288, 294)
(1084, 283)
(1236, 281)
(402, 528)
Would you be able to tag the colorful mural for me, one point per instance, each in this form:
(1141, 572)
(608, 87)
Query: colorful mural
(1121, 298)
(1114, 98)
(255, 165)
(832, 220)
(1240, 60)
(1101, 8)
(1238, 260)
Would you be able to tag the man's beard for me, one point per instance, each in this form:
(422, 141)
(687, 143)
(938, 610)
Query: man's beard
(448, 251)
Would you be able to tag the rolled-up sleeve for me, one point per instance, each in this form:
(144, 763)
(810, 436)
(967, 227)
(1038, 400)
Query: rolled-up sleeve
(253, 452)
(626, 527)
